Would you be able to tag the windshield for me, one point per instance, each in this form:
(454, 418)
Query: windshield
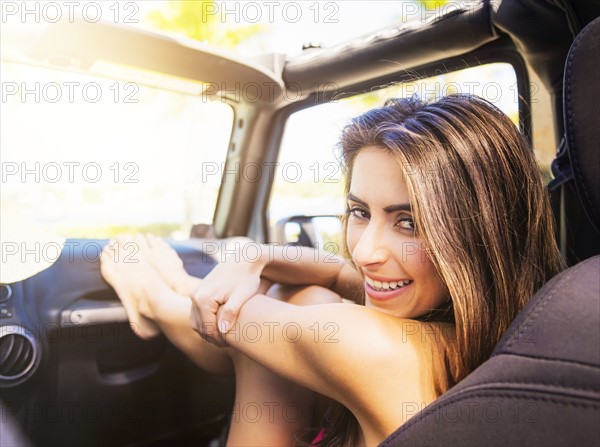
(92, 157)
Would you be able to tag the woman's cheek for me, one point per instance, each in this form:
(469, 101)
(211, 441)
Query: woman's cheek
(352, 237)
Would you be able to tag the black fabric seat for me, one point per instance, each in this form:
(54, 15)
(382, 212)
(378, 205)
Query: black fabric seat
(541, 385)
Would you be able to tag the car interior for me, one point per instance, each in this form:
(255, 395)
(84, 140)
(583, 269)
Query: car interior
(72, 371)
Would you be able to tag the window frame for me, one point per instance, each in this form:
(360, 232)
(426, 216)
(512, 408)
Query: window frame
(493, 53)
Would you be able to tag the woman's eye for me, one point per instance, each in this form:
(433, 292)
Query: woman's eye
(406, 223)
(358, 213)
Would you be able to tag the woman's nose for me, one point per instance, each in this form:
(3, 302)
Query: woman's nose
(370, 248)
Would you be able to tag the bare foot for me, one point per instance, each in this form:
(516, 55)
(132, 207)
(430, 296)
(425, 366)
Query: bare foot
(127, 270)
(169, 265)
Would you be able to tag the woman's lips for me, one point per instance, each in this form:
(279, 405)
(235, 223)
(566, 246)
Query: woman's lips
(381, 295)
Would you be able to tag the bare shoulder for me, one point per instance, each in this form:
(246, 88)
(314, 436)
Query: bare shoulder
(362, 333)
(384, 354)
(363, 325)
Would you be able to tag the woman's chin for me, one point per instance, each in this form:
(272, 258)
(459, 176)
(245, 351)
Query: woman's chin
(399, 313)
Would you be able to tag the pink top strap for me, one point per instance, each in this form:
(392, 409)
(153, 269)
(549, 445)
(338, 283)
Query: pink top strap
(318, 438)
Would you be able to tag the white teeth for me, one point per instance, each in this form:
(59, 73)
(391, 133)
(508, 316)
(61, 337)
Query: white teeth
(385, 285)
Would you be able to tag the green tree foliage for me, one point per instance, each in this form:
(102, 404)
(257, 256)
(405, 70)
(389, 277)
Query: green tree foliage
(433, 4)
(197, 20)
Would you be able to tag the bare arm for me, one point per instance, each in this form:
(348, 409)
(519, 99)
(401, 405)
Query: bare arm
(236, 279)
(303, 265)
(337, 350)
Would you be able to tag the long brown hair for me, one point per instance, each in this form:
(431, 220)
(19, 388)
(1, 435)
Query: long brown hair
(480, 205)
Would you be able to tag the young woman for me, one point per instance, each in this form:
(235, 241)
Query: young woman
(154, 288)
(449, 231)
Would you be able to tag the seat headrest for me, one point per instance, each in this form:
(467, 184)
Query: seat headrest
(581, 99)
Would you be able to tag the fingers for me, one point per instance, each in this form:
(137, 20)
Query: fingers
(214, 315)
(204, 316)
(217, 302)
(230, 310)
(107, 250)
(152, 240)
(208, 333)
(227, 318)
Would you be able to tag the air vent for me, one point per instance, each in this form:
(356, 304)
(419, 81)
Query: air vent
(18, 353)
(5, 292)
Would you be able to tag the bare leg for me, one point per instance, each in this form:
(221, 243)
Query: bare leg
(269, 409)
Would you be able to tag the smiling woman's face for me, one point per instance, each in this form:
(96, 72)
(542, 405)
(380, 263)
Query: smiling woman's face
(400, 278)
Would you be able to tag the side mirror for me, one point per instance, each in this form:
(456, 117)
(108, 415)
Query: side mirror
(323, 232)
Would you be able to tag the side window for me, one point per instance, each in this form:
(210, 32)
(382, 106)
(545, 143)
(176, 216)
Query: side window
(309, 180)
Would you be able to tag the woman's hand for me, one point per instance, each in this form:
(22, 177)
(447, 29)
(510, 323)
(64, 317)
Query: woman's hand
(233, 282)
(222, 294)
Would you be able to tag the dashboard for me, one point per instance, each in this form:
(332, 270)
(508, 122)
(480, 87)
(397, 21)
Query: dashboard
(71, 368)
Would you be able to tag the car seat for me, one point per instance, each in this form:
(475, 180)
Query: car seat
(541, 385)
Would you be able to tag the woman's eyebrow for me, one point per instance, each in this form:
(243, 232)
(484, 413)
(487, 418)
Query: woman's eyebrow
(353, 198)
(388, 209)
(398, 207)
